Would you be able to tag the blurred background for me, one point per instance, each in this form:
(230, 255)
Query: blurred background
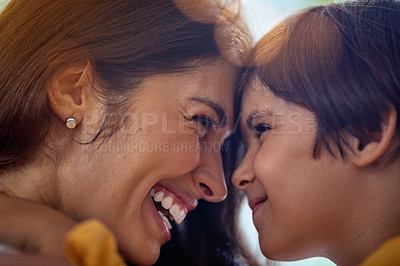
(263, 15)
(3, 3)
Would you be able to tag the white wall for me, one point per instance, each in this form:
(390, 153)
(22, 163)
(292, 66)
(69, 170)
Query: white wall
(3, 3)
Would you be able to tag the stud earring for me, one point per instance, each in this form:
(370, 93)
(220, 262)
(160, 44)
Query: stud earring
(71, 123)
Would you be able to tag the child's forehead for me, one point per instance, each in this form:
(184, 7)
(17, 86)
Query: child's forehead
(252, 84)
(257, 97)
(255, 86)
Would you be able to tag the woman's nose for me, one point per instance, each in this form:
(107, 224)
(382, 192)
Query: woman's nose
(244, 174)
(209, 178)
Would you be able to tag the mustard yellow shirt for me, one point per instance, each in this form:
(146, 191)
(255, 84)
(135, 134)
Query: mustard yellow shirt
(90, 243)
(386, 255)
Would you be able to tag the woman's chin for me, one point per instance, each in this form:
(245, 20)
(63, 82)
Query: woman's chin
(149, 257)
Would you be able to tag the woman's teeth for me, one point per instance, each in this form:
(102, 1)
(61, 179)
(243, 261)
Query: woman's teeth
(176, 213)
(165, 219)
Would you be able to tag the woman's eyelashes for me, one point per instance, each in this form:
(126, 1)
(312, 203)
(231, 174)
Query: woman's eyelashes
(206, 123)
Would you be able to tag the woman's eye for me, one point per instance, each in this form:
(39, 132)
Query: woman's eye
(260, 129)
(206, 122)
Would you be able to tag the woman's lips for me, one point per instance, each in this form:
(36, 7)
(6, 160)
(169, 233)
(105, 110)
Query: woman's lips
(186, 198)
(169, 204)
(173, 203)
(256, 203)
(165, 233)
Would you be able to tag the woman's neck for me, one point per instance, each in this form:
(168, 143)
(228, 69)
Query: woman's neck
(31, 182)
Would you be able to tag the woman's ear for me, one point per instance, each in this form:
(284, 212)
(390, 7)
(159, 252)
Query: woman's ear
(367, 153)
(70, 92)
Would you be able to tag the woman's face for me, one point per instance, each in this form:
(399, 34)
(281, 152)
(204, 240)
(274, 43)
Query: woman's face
(298, 202)
(167, 150)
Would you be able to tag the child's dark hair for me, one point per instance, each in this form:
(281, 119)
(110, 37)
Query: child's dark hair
(341, 62)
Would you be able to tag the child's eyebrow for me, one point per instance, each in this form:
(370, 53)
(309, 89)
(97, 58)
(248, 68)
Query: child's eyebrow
(256, 114)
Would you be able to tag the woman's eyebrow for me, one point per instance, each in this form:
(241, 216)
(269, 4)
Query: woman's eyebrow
(222, 116)
(254, 115)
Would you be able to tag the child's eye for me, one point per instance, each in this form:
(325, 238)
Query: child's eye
(260, 129)
(206, 122)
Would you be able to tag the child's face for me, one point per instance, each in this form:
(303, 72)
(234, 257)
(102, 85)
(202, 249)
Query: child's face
(299, 203)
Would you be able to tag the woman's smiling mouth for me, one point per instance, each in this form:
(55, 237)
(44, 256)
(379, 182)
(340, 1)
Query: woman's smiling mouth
(171, 207)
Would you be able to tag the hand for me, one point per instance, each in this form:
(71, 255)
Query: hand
(33, 228)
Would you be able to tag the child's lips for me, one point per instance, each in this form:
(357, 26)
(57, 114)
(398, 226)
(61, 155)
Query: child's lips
(256, 203)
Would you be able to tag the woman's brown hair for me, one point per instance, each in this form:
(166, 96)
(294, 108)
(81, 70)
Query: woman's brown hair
(124, 41)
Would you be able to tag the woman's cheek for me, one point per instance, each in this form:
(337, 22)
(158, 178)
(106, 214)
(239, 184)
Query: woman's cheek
(184, 153)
